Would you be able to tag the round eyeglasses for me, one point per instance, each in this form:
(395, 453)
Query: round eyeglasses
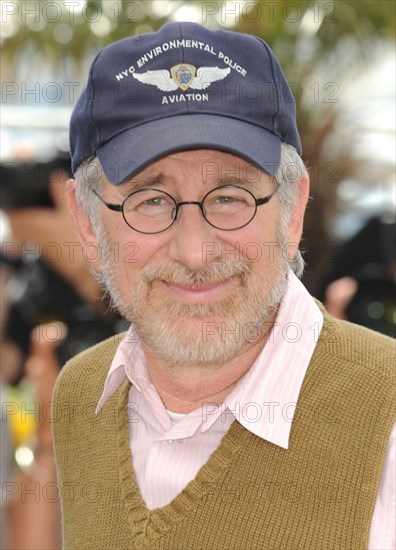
(151, 211)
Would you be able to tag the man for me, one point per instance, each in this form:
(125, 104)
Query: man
(235, 413)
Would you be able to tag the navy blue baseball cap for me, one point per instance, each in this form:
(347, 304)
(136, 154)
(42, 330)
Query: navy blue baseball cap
(183, 87)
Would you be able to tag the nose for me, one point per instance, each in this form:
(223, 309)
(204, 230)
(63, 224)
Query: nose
(191, 235)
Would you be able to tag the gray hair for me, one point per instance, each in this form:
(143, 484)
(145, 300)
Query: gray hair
(89, 176)
(291, 170)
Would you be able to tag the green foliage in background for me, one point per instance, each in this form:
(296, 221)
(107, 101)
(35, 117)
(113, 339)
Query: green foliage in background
(38, 23)
(320, 45)
(339, 36)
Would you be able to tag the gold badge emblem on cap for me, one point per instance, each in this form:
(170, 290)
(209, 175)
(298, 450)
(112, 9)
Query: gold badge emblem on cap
(183, 75)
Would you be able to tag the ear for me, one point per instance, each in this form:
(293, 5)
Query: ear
(57, 180)
(297, 216)
(85, 232)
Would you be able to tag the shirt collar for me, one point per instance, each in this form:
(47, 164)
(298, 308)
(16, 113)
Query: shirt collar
(264, 400)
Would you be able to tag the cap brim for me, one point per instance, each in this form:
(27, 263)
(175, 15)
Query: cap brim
(129, 152)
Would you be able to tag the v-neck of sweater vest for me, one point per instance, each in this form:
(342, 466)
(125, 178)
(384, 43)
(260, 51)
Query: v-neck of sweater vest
(148, 525)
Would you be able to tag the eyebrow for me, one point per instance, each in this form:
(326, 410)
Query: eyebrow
(252, 184)
(232, 179)
(138, 183)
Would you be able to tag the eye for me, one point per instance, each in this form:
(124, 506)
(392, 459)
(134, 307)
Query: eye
(226, 199)
(148, 201)
(229, 199)
(155, 201)
(153, 205)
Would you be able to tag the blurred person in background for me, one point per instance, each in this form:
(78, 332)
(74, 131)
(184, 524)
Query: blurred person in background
(32, 496)
(361, 285)
(53, 282)
(189, 176)
(52, 308)
(10, 357)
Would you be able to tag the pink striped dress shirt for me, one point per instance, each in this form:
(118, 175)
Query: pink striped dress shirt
(168, 448)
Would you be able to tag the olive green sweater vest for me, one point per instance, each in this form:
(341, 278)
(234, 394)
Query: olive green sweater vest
(251, 494)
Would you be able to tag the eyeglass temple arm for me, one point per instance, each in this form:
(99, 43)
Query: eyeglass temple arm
(115, 207)
(264, 200)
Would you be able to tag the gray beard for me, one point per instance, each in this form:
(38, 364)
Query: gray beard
(198, 334)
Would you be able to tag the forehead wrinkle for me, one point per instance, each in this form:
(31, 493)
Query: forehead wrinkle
(227, 175)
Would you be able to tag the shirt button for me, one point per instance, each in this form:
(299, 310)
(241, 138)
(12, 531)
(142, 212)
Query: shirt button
(170, 442)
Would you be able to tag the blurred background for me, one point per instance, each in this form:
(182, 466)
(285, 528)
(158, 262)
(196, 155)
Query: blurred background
(339, 58)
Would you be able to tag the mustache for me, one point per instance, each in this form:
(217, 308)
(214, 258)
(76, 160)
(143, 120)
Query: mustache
(177, 273)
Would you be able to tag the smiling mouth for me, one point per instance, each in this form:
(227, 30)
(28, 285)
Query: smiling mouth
(198, 292)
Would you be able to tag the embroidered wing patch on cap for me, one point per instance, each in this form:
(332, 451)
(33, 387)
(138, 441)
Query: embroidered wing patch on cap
(182, 76)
